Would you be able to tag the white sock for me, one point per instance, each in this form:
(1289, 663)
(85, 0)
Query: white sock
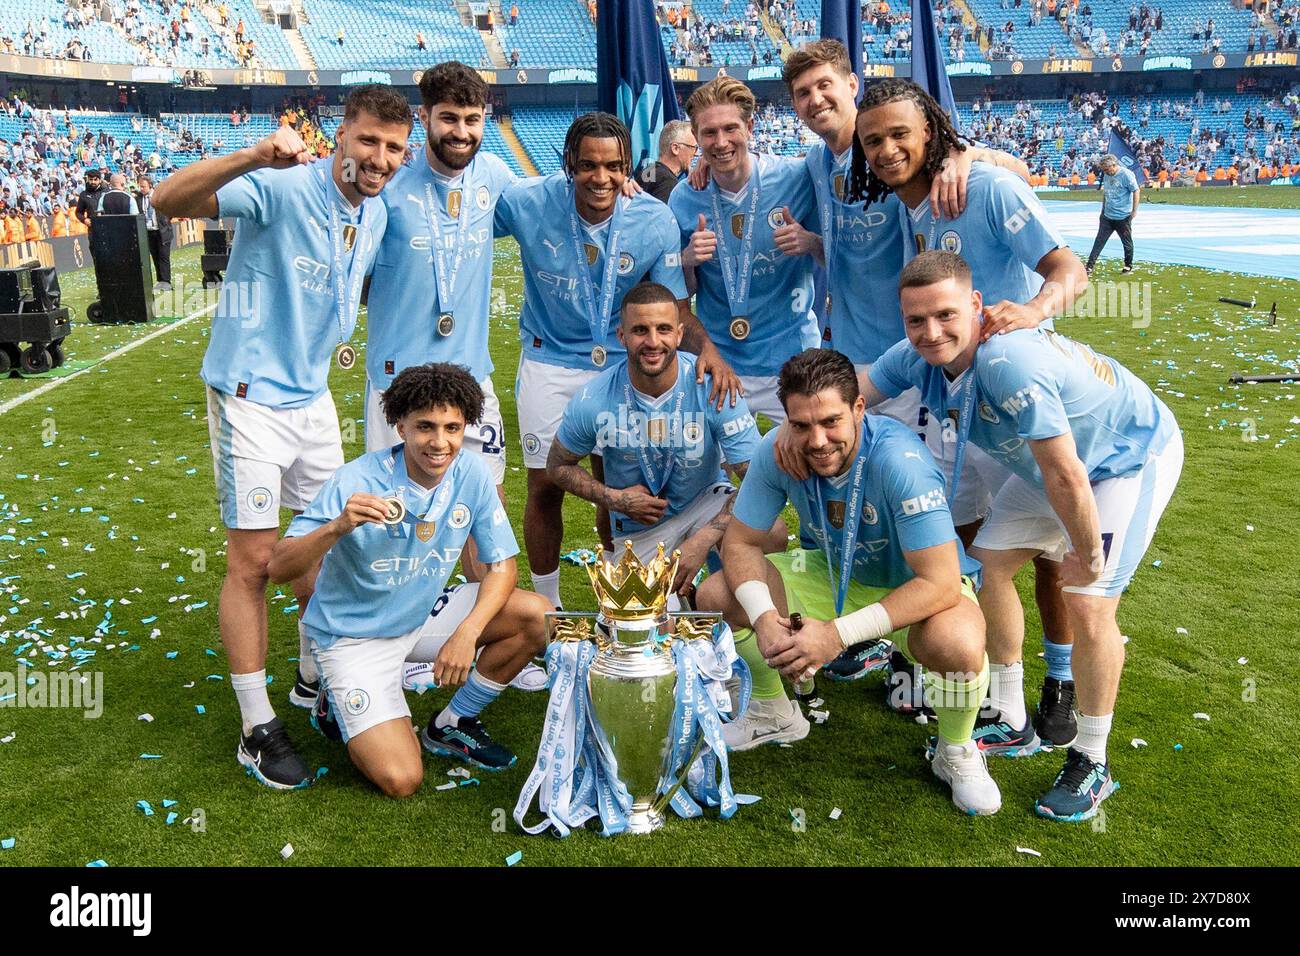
(254, 704)
(548, 586)
(1093, 732)
(306, 662)
(1007, 691)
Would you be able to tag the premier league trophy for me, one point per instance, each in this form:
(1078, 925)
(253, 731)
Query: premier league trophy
(634, 721)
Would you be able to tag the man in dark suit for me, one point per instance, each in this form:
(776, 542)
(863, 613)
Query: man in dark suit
(159, 228)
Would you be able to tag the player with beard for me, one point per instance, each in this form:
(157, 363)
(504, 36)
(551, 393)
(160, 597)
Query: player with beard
(583, 246)
(306, 235)
(1027, 274)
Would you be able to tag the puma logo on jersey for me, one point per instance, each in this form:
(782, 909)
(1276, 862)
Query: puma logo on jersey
(1000, 358)
(1023, 398)
(913, 454)
(555, 247)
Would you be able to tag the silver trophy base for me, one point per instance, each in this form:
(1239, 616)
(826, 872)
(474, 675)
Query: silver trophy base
(644, 820)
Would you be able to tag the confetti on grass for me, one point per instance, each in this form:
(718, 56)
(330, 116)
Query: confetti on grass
(286, 851)
(1027, 851)
(514, 858)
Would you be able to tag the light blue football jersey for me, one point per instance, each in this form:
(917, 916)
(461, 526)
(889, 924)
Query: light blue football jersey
(864, 247)
(904, 507)
(781, 299)
(1032, 384)
(1118, 191)
(382, 581)
(1003, 234)
(277, 322)
(404, 306)
(681, 434)
(553, 326)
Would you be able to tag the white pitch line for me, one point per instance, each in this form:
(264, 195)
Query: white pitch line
(48, 386)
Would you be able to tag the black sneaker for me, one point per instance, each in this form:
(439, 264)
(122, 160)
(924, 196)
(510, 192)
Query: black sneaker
(1079, 789)
(322, 718)
(304, 692)
(468, 741)
(858, 661)
(997, 738)
(905, 687)
(267, 754)
(1055, 721)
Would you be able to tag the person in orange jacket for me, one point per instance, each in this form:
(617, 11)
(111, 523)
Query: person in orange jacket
(33, 230)
(59, 223)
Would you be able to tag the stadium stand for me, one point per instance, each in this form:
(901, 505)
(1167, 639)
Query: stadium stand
(382, 35)
(549, 33)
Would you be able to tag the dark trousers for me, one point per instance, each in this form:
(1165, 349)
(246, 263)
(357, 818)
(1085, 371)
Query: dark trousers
(161, 253)
(1107, 226)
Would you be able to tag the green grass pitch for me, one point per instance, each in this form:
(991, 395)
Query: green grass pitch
(106, 494)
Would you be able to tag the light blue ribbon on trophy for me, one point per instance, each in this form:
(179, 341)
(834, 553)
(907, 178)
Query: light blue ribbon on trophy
(654, 481)
(444, 276)
(438, 501)
(736, 278)
(347, 282)
(597, 318)
(852, 514)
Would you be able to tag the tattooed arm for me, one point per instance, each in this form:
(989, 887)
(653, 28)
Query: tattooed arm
(636, 502)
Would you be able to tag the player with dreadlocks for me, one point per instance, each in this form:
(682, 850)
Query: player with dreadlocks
(1026, 272)
(584, 242)
(388, 529)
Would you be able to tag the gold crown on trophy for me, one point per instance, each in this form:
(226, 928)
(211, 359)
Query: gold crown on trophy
(630, 590)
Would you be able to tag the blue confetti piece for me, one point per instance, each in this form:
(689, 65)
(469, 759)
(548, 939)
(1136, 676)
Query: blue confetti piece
(171, 817)
(7, 843)
(168, 803)
(151, 756)
(73, 576)
(171, 655)
(321, 771)
(199, 708)
(217, 677)
(471, 780)
(96, 863)
(1155, 564)
(269, 679)
(514, 858)
(7, 697)
(1178, 746)
(144, 805)
(149, 620)
(210, 652)
(195, 607)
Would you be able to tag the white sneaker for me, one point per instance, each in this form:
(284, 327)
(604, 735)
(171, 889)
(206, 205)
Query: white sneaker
(963, 768)
(530, 678)
(766, 722)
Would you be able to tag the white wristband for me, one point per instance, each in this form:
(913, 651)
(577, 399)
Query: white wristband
(867, 624)
(756, 599)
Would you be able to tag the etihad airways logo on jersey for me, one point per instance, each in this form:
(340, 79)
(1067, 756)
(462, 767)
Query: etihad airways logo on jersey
(474, 237)
(851, 221)
(411, 566)
(930, 501)
(1023, 398)
(315, 275)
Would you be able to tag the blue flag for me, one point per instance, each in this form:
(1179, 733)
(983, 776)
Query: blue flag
(1119, 147)
(634, 81)
(928, 71)
(842, 20)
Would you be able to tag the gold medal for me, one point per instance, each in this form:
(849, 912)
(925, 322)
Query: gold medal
(345, 356)
(740, 328)
(396, 510)
(598, 356)
(446, 324)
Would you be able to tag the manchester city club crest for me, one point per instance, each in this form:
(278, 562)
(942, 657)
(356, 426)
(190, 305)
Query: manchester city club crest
(835, 514)
(483, 198)
(987, 413)
(424, 529)
(532, 444)
(625, 264)
(356, 701)
(692, 433)
(950, 241)
(775, 218)
(459, 516)
(259, 499)
(869, 513)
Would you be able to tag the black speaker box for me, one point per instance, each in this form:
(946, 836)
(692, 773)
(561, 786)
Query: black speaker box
(45, 288)
(123, 271)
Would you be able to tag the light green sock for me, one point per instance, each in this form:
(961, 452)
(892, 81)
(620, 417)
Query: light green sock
(956, 703)
(767, 682)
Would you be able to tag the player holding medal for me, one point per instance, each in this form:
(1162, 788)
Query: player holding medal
(583, 245)
(754, 291)
(1094, 458)
(387, 530)
(662, 440)
(890, 564)
(306, 235)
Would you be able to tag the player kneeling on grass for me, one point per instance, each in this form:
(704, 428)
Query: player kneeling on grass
(1094, 457)
(388, 529)
(872, 493)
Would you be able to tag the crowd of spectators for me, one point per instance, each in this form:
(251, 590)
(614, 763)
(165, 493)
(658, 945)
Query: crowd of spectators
(693, 35)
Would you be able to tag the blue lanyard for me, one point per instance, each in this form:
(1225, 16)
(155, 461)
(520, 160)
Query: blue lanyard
(852, 514)
(444, 276)
(347, 282)
(736, 279)
(597, 319)
(964, 412)
(828, 209)
(438, 501)
(656, 485)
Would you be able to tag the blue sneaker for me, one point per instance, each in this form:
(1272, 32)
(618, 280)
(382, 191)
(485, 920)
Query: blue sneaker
(858, 661)
(995, 737)
(322, 717)
(468, 741)
(1078, 791)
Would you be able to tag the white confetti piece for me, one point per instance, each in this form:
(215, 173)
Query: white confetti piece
(1026, 850)
(8, 738)
(1137, 742)
(1200, 716)
(286, 851)
(459, 772)
(449, 785)
(835, 814)
(1242, 660)
(147, 718)
(1250, 527)
(1180, 630)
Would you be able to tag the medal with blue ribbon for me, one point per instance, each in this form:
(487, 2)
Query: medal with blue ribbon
(445, 273)
(852, 515)
(400, 513)
(737, 270)
(965, 409)
(347, 282)
(597, 315)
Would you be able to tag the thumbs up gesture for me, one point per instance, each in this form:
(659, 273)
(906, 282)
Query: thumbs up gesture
(793, 239)
(703, 244)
